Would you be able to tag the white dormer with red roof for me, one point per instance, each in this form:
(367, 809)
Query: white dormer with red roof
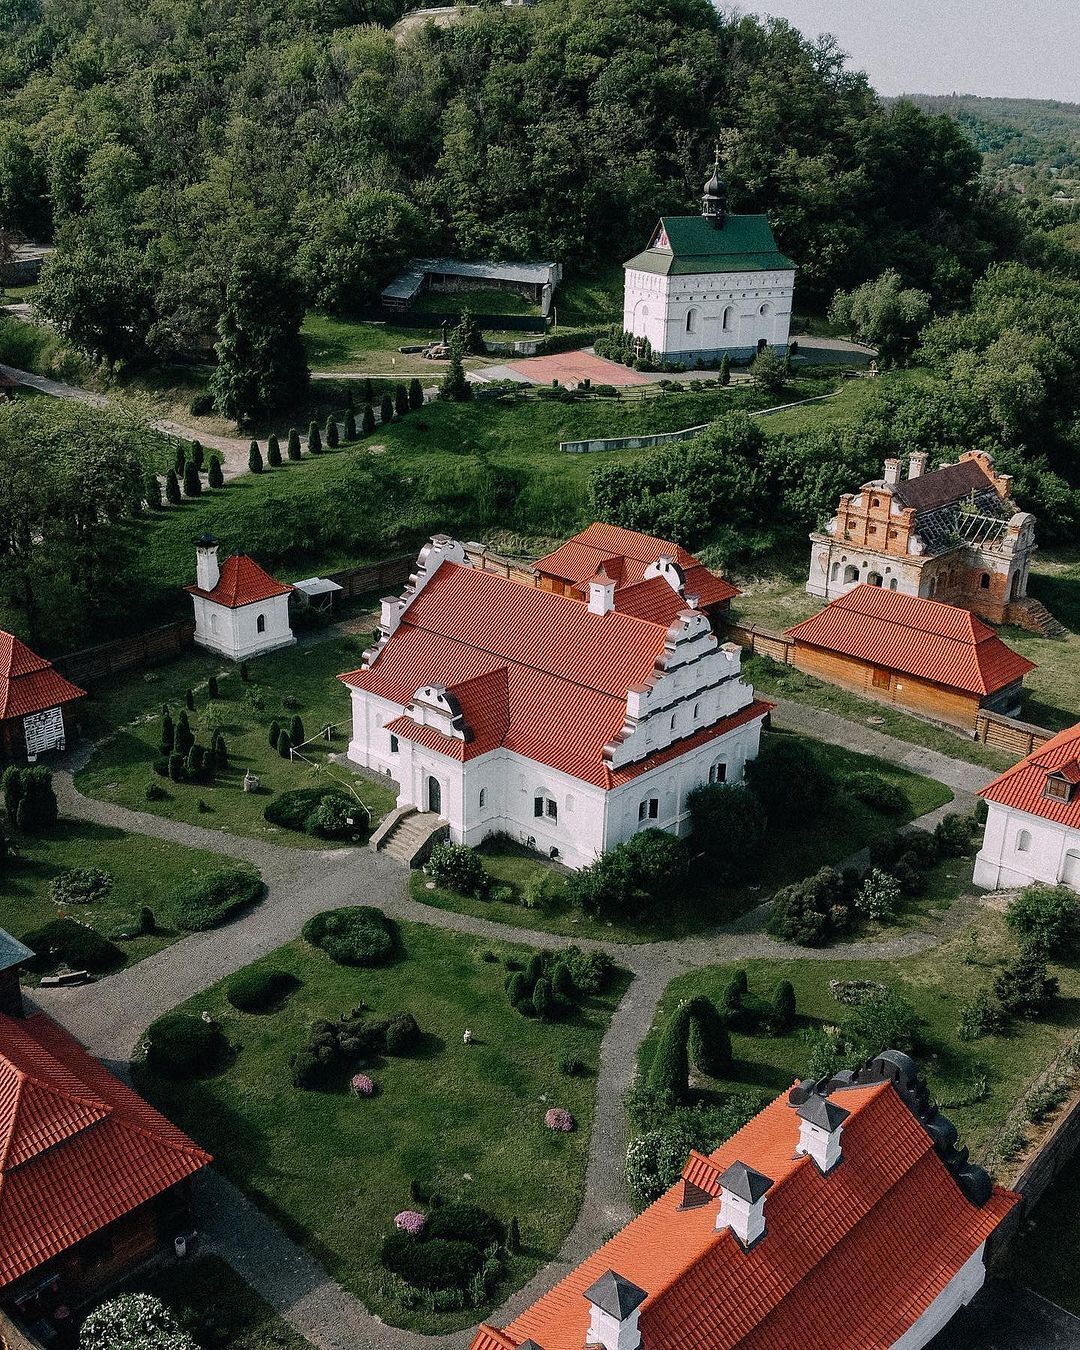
(1032, 829)
(562, 720)
(240, 610)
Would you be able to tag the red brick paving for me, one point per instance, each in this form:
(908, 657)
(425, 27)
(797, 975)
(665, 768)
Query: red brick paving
(573, 367)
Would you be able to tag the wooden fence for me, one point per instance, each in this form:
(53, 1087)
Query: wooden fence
(130, 653)
(1006, 733)
(390, 574)
(514, 569)
(760, 641)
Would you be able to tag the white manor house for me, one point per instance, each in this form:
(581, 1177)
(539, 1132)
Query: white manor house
(562, 721)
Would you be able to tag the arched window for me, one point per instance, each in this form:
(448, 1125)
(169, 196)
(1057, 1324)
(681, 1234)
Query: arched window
(717, 772)
(729, 318)
(697, 711)
(835, 571)
(892, 584)
(984, 582)
(260, 623)
(649, 809)
(1023, 841)
(691, 320)
(874, 578)
(546, 806)
(851, 573)
(483, 797)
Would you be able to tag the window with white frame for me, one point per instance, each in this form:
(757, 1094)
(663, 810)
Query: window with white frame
(545, 807)
(718, 772)
(649, 809)
(1023, 841)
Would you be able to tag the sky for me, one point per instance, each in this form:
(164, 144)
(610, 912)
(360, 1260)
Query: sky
(1005, 48)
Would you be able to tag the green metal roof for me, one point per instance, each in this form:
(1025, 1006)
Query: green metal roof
(741, 244)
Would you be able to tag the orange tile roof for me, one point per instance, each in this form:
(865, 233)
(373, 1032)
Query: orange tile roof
(850, 1259)
(242, 582)
(78, 1149)
(923, 638)
(533, 671)
(626, 555)
(29, 683)
(1022, 786)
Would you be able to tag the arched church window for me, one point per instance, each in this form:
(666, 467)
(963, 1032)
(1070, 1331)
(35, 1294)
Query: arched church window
(691, 320)
(729, 318)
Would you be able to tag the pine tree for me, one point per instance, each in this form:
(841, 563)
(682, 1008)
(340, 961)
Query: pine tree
(350, 424)
(168, 733)
(275, 732)
(709, 1043)
(176, 767)
(294, 451)
(296, 731)
(152, 491)
(416, 394)
(562, 982)
(192, 481)
(172, 488)
(212, 687)
(725, 371)
(183, 739)
(284, 745)
(401, 400)
(386, 410)
(215, 477)
(255, 459)
(455, 386)
(197, 455)
(273, 451)
(331, 432)
(669, 1072)
(314, 440)
(784, 1006)
(367, 421)
(180, 460)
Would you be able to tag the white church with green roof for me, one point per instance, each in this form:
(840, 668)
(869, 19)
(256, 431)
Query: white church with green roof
(710, 286)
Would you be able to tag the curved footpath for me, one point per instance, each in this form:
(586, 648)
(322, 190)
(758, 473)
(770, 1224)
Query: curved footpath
(111, 1016)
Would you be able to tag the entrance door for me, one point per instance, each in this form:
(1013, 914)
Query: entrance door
(434, 796)
(1070, 873)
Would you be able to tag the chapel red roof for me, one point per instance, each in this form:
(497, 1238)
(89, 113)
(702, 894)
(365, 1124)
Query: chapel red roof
(242, 582)
(29, 683)
(924, 638)
(850, 1259)
(78, 1149)
(532, 671)
(1022, 787)
(626, 555)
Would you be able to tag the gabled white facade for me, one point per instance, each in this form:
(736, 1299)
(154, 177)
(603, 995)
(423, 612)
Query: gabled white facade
(237, 632)
(1019, 848)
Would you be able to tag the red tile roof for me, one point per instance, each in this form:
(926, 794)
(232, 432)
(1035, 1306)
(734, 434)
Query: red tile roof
(533, 671)
(626, 555)
(78, 1149)
(28, 683)
(242, 582)
(850, 1259)
(1022, 786)
(923, 638)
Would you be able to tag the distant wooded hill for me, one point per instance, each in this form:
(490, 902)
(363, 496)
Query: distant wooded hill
(1034, 132)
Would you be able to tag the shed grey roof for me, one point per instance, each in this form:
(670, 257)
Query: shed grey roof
(317, 586)
(12, 951)
(820, 1111)
(408, 284)
(615, 1295)
(744, 1182)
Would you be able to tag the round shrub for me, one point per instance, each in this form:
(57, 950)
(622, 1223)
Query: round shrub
(559, 1120)
(133, 1322)
(432, 1264)
(877, 792)
(879, 895)
(319, 811)
(80, 886)
(334, 817)
(402, 1034)
(1047, 917)
(211, 900)
(65, 942)
(356, 935)
(410, 1221)
(182, 1046)
(456, 867)
(256, 990)
(466, 1223)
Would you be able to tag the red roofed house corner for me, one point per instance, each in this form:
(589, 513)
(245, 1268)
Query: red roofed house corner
(568, 723)
(1032, 831)
(936, 659)
(240, 610)
(35, 701)
(843, 1215)
(92, 1179)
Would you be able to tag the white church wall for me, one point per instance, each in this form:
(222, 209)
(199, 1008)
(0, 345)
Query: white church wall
(246, 631)
(1019, 849)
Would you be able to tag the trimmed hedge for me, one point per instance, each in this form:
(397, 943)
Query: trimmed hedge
(182, 1046)
(208, 902)
(465, 1223)
(319, 811)
(356, 935)
(433, 1264)
(72, 944)
(255, 991)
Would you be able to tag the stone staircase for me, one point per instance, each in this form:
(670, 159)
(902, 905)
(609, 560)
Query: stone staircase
(408, 835)
(1033, 615)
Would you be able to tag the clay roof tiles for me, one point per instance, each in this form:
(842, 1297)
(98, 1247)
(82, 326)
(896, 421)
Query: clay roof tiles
(923, 638)
(850, 1259)
(78, 1149)
(242, 582)
(29, 683)
(1022, 787)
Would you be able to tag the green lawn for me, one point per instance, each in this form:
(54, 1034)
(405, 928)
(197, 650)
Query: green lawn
(145, 871)
(977, 1083)
(590, 302)
(791, 853)
(214, 1304)
(465, 1120)
(301, 680)
(336, 343)
(1052, 691)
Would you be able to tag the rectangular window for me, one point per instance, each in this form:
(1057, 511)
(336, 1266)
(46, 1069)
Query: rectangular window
(882, 679)
(393, 745)
(538, 806)
(1057, 789)
(649, 809)
(550, 809)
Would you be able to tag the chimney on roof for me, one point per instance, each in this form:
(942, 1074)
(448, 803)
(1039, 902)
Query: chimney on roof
(742, 1202)
(207, 572)
(916, 465)
(601, 593)
(820, 1124)
(892, 471)
(616, 1306)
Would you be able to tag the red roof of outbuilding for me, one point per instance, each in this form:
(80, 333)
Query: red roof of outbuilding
(29, 683)
(78, 1149)
(242, 582)
(850, 1259)
(532, 671)
(923, 638)
(1022, 786)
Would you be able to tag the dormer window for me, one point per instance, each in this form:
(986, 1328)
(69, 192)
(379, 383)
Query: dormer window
(1061, 784)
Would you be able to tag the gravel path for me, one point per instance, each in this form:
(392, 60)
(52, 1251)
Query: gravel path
(111, 1016)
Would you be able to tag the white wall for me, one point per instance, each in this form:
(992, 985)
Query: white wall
(961, 1289)
(1051, 855)
(656, 307)
(235, 632)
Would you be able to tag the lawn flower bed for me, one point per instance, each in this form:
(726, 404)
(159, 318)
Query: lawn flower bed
(450, 1123)
(308, 803)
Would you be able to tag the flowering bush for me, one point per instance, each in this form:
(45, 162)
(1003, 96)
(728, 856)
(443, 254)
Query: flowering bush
(558, 1119)
(133, 1322)
(361, 1085)
(410, 1221)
